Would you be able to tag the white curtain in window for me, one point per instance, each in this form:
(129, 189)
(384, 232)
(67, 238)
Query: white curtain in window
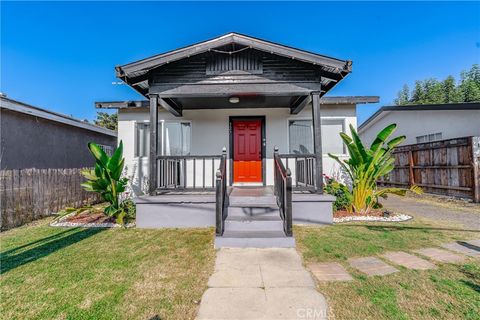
(331, 140)
(176, 138)
(143, 140)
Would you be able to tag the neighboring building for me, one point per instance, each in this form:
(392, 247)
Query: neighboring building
(425, 123)
(239, 93)
(32, 137)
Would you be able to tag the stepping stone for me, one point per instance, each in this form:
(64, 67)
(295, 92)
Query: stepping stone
(329, 272)
(295, 303)
(440, 255)
(372, 266)
(462, 248)
(408, 260)
(232, 303)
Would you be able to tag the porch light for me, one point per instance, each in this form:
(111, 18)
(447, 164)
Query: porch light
(234, 100)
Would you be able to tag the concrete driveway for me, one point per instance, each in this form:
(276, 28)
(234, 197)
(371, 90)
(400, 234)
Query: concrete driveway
(463, 215)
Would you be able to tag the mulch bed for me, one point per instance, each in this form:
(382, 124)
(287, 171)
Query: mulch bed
(90, 218)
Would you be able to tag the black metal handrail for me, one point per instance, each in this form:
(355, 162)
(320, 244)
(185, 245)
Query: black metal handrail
(221, 197)
(303, 170)
(283, 192)
(180, 172)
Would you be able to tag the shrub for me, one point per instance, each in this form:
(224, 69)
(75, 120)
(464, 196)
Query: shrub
(106, 179)
(366, 165)
(343, 196)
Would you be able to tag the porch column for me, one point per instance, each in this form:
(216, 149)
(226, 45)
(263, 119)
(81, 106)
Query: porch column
(152, 186)
(317, 141)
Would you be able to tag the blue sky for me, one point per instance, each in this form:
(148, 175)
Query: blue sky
(61, 55)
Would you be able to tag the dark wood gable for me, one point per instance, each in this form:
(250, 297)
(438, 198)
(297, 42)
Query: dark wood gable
(239, 71)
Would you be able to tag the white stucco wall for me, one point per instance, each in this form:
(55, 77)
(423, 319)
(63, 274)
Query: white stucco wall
(210, 134)
(451, 123)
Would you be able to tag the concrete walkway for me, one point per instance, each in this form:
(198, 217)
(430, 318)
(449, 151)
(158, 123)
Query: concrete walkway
(467, 219)
(261, 284)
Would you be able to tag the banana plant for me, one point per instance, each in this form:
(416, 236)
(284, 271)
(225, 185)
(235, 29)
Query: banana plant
(366, 165)
(106, 179)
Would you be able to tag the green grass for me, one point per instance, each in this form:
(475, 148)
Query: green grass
(54, 273)
(447, 292)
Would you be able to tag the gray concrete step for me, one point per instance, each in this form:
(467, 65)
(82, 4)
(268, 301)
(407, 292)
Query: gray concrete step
(253, 213)
(279, 242)
(245, 201)
(254, 234)
(249, 225)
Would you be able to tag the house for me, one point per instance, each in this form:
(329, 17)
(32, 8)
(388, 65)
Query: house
(425, 123)
(243, 117)
(32, 137)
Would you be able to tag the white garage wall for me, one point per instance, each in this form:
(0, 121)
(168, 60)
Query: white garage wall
(451, 123)
(210, 133)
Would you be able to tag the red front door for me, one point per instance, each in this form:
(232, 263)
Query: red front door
(247, 150)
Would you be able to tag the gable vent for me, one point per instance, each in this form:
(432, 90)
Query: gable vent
(246, 60)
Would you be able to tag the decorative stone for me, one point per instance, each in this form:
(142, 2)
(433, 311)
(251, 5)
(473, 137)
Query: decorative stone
(408, 260)
(440, 255)
(329, 272)
(372, 266)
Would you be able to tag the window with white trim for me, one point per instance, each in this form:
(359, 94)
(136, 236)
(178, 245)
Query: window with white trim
(300, 133)
(174, 138)
(429, 137)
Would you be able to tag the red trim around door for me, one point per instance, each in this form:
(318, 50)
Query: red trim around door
(247, 150)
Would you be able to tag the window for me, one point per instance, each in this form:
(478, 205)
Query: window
(429, 137)
(176, 138)
(301, 136)
(142, 139)
(173, 138)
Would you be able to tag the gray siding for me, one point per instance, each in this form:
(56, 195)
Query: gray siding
(33, 142)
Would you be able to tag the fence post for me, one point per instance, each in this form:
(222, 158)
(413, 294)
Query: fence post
(411, 177)
(475, 144)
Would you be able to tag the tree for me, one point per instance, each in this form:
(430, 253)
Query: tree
(403, 96)
(452, 94)
(431, 91)
(106, 120)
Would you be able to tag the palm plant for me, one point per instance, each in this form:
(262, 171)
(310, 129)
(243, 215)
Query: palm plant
(366, 166)
(106, 179)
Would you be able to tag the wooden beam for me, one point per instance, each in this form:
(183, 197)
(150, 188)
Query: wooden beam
(122, 104)
(317, 141)
(171, 106)
(153, 144)
(190, 90)
(299, 104)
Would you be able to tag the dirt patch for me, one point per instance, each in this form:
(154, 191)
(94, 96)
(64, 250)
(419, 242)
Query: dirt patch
(90, 218)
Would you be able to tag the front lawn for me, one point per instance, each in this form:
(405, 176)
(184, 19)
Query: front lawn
(55, 273)
(447, 292)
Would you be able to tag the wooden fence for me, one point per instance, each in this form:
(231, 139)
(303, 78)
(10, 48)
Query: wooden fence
(30, 194)
(447, 167)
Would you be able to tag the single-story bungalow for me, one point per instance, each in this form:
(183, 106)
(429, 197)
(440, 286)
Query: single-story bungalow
(242, 131)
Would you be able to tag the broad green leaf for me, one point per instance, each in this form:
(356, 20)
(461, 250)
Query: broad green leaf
(98, 153)
(382, 137)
